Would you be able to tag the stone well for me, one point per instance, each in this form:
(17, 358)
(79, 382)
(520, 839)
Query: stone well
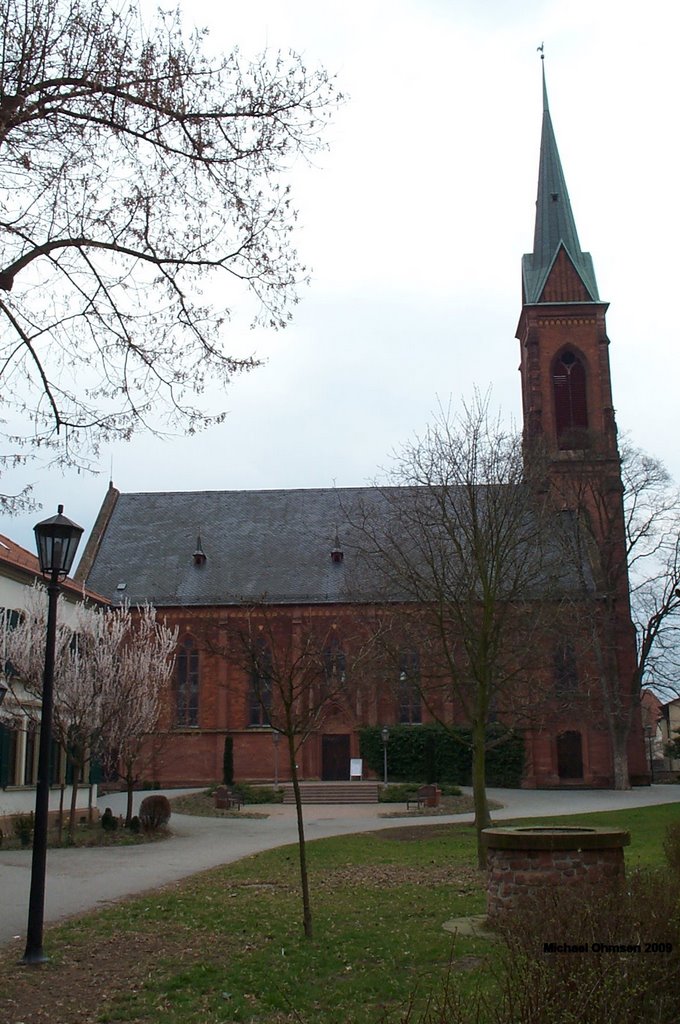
(521, 860)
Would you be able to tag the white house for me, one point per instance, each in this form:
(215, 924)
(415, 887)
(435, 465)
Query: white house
(19, 712)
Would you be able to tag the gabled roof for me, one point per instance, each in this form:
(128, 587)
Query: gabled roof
(555, 228)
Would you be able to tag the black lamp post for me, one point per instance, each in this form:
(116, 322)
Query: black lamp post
(385, 733)
(57, 540)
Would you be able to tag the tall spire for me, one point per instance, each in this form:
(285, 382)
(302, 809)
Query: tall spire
(555, 228)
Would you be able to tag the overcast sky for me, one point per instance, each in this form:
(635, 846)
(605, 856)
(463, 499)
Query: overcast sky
(415, 222)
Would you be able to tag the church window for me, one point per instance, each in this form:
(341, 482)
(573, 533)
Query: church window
(334, 665)
(260, 697)
(564, 669)
(569, 390)
(409, 688)
(187, 684)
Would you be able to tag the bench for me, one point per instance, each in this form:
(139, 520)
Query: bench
(226, 799)
(426, 796)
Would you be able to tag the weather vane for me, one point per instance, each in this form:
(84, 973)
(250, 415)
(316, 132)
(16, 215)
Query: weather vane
(540, 50)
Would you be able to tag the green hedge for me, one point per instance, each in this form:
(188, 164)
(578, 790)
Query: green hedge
(430, 753)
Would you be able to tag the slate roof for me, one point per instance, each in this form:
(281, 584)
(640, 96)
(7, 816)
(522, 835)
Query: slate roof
(555, 226)
(276, 543)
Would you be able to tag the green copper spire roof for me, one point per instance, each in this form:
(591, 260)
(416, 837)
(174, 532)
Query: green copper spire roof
(555, 226)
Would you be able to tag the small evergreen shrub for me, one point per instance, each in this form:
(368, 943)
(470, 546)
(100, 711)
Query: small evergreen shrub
(135, 824)
(228, 761)
(22, 826)
(258, 794)
(154, 812)
(109, 822)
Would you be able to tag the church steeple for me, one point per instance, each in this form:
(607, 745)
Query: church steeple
(557, 270)
(566, 387)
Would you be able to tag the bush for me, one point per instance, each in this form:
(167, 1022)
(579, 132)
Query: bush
(671, 848)
(258, 794)
(154, 812)
(22, 826)
(109, 823)
(441, 755)
(135, 824)
(600, 984)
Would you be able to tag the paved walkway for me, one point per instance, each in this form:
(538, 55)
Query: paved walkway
(79, 880)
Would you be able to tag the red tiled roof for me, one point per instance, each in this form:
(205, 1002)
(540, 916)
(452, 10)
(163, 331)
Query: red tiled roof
(14, 556)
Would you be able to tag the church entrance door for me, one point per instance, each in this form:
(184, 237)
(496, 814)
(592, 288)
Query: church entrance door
(335, 758)
(569, 755)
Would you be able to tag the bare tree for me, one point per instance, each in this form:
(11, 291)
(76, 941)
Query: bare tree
(625, 550)
(143, 190)
(458, 548)
(297, 672)
(134, 700)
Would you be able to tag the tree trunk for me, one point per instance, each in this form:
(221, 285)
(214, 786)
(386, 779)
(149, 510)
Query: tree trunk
(482, 816)
(302, 852)
(74, 799)
(60, 819)
(129, 788)
(619, 738)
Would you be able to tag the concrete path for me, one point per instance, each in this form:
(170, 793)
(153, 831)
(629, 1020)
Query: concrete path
(79, 880)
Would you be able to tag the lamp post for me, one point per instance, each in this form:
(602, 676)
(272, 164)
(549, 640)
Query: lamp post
(385, 733)
(276, 737)
(57, 540)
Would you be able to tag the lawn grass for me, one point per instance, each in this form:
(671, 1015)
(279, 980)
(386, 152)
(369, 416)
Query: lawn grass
(227, 945)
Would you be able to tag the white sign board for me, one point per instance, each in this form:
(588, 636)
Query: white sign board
(356, 770)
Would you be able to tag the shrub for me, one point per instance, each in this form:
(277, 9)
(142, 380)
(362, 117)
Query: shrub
(671, 848)
(154, 812)
(441, 755)
(109, 823)
(599, 984)
(228, 761)
(258, 794)
(22, 827)
(135, 824)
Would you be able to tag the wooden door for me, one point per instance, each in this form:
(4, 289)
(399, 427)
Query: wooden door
(570, 755)
(335, 758)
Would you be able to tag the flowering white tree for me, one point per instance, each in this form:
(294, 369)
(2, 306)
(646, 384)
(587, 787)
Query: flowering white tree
(109, 669)
(133, 705)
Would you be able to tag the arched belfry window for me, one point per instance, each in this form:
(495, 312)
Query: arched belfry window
(571, 407)
(187, 678)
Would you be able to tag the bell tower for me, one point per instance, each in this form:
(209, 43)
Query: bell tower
(566, 386)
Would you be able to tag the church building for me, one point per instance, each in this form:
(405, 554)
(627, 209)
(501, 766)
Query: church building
(204, 559)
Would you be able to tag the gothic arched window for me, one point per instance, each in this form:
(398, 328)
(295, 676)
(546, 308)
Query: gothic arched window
(260, 697)
(571, 407)
(334, 665)
(565, 672)
(187, 680)
(409, 688)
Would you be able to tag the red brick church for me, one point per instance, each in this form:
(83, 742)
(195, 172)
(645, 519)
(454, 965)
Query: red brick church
(203, 558)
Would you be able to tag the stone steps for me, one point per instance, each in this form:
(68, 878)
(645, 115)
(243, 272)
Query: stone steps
(333, 792)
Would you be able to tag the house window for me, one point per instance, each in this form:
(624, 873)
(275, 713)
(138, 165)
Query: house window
(9, 620)
(569, 391)
(187, 685)
(260, 697)
(409, 688)
(8, 756)
(565, 674)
